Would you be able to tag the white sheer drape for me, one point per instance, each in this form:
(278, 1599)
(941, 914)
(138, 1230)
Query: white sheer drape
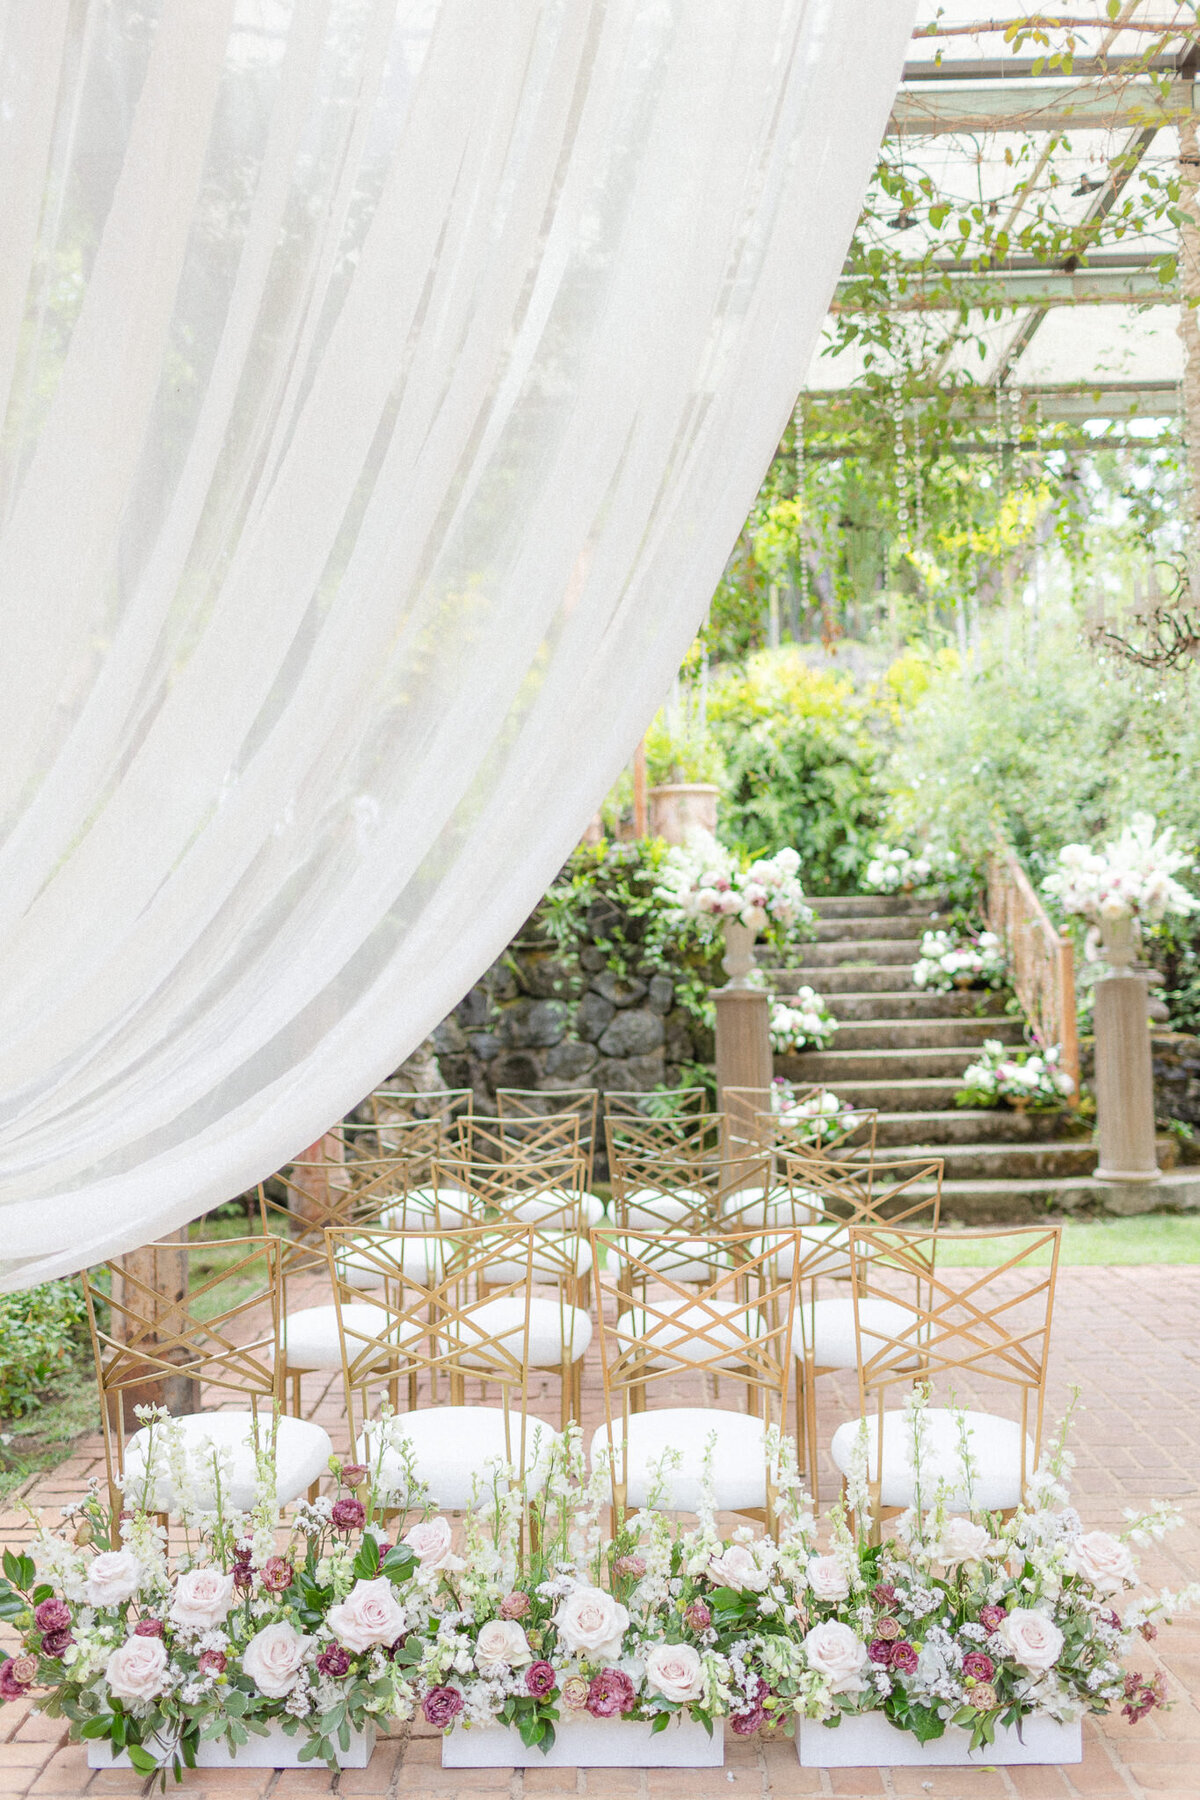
(386, 382)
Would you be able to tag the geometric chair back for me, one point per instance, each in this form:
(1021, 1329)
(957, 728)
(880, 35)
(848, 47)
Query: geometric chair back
(812, 1123)
(636, 1142)
(306, 1198)
(531, 1103)
(223, 1332)
(389, 1106)
(525, 1138)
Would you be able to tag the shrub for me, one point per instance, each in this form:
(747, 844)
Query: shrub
(41, 1334)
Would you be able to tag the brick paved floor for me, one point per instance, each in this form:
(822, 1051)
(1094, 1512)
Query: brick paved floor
(1128, 1338)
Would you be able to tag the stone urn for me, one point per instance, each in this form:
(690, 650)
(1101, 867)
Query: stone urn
(738, 961)
(683, 807)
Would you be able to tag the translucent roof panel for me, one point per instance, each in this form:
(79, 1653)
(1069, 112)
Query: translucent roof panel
(1092, 40)
(1094, 344)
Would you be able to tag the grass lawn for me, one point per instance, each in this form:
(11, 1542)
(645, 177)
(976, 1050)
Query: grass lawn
(1153, 1238)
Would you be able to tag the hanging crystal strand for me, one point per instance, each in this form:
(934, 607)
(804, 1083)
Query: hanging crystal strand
(918, 480)
(898, 439)
(802, 497)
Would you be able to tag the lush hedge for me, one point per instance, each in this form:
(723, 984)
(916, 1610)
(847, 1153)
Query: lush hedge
(43, 1332)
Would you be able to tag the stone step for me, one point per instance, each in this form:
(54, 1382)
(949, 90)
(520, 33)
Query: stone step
(874, 927)
(869, 906)
(972, 1004)
(967, 1035)
(970, 1125)
(862, 952)
(1057, 1160)
(1040, 1202)
(859, 978)
(885, 1067)
(908, 1096)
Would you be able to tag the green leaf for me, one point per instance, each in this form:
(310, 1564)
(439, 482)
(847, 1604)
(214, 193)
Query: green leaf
(28, 1570)
(661, 1721)
(11, 1605)
(12, 1568)
(98, 1727)
(43, 1591)
(142, 1760)
(366, 1564)
(398, 1563)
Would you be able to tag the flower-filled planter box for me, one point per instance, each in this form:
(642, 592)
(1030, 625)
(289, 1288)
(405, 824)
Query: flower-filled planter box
(277, 1750)
(871, 1741)
(589, 1744)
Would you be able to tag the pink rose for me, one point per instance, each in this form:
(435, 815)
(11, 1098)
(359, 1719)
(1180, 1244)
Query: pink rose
(1031, 1639)
(591, 1624)
(370, 1614)
(675, 1671)
(202, 1599)
(112, 1578)
(430, 1542)
(1102, 1560)
(501, 1645)
(827, 1578)
(136, 1669)
(274, 1658)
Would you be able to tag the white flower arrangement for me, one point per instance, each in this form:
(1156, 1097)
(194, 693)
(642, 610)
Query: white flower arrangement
(892, 869)
(801, 1021)
(951, 959)
(1021, 1078)
(820, 1118)
(1132, 877)
(702, 881)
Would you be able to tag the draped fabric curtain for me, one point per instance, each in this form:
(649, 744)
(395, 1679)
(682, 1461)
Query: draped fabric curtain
(384, 384)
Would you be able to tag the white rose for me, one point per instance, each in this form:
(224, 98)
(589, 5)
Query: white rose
(501, 1644)
(136, 1668)
(430, 1543)
(834, 1651)
(827, 1578)
(962, 1541)
(591, 1623)
(1103, 1560)
(675, 1671)
(736, 1568)
(112, 1578)
(202, 1598)
(274, 1658)
(1031, 1638)
(370, 1614)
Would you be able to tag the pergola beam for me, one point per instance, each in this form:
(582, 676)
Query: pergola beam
(1058, 404)
(1130, 281)
(1038, 106)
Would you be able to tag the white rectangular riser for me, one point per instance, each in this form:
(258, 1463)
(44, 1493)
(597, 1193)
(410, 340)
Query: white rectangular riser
(589, 1744)
(275, 1751)
(872, 1742)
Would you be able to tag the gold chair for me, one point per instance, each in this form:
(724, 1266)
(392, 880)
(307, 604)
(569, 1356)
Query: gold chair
(388, 1106)
(739, 1325)
(529, 1138)
(423, 1334)
(987, 1325)
(531, 1103)
(215, 1340)
(814, 1125)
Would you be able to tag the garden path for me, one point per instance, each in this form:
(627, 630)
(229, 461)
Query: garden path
(1128, 1338)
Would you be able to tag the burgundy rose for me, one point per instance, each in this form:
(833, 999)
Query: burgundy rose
(745, 1724)
(277, 1573)
(540, 1679)
(10, 1687)
(57, 1643)
(978, 1666)
(514, 1605)
(634, 1566)
(610, 1694)
(52, 1615)
(333, 1661)
(442, 1706)
(148, 1628)
(697, 1616)
(880, 1651)
(888, 1629)
(243, 1574)
(992, 1617)
(884, 1594)
(348, 1515)
(354, 1474)
(903, 1658)
(212, 1662)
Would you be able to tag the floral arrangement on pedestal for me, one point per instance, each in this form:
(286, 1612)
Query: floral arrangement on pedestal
(254, 1624)
(1131, 878)
(964, 1618)
(953, 958)
(800, 1021)
(819, 1117)
(1025, 1079)
(894, 870)
(704, 882)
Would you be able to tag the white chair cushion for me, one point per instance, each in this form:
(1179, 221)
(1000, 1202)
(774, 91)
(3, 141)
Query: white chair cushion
(557, 1206)
(684, 1327)
(648, 1207)
(676, 1259)
(553, 1327)
(419, 1257)
(823, 1251)
(995, 1446)
(302, 1452)
(450, 1446)
(752, 1207)
(551, 1256)
(453, 1205)
(737, 1465)
(829, 1329)
(310, 1337)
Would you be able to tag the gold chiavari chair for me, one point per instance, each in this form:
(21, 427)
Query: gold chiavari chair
(739, 1325)
(526, 1103)
(433, 1335)
(989, 1326)
(551, 1139)
(221, 1337)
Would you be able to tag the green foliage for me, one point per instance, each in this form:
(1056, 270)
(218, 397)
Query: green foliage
(800, 766)
(42, 1332)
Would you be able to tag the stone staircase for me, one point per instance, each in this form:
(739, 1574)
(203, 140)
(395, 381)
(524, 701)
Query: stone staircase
(903, 1052)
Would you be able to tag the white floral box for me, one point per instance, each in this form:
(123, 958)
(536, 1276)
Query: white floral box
(872, 1742)
(589, 1744)
(275, 1751)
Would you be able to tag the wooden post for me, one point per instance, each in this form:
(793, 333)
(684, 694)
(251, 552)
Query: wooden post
(743, 1039)
(162, 1268)
(1124, 1079)
(639, 790)
(308, 1191)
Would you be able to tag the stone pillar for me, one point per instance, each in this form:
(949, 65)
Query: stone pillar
(1124, 1079)
(743, 1039)
(163, 1270)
